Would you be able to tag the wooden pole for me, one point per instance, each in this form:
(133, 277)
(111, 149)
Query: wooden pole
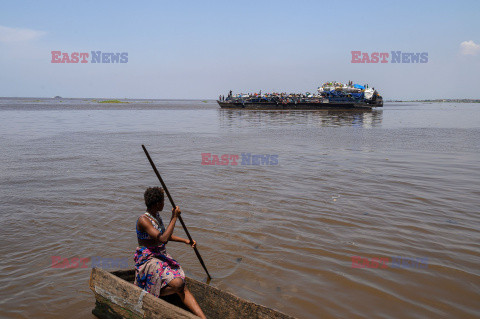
(173, 205)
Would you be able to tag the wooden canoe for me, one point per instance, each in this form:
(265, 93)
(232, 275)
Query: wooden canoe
(117, 297)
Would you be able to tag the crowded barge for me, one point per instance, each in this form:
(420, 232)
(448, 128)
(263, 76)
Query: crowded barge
(331, 95)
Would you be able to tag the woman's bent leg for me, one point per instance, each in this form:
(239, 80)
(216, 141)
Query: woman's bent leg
(189, 301)
(174, 286)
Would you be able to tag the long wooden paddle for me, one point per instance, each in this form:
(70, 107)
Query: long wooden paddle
(173, 205)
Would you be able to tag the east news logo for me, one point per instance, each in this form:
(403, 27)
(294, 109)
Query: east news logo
(96, 57)
(395, 57)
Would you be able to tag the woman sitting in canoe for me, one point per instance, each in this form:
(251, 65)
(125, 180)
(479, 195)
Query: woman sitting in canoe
(155, 270)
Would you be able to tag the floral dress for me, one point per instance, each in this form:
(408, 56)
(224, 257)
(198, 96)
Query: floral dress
(154, 267)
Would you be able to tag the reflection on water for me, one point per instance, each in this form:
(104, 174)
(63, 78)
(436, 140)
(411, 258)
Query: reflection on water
(326, 118)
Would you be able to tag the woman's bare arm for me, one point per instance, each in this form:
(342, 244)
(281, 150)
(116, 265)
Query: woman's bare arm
(183, 240)
(179, 239)
(154, 233)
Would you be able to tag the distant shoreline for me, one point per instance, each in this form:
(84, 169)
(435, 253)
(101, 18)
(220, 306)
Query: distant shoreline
(130, 100)
(440, 100)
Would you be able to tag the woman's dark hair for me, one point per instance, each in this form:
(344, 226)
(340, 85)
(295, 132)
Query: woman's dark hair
(153, 195)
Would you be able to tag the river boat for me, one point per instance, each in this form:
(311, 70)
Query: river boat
(331, 95)
(117, 297)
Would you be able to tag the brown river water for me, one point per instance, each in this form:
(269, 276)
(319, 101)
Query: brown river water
(401, 183)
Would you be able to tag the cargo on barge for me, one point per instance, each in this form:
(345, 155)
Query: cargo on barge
(331, 95)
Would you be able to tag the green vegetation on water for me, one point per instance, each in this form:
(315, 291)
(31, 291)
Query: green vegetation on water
(112, 101)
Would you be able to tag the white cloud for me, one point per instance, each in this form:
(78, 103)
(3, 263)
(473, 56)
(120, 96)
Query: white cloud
(469, 48)
(8, 34)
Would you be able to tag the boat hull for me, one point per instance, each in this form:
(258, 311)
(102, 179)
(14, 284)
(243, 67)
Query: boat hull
(117, 297)
(300, 105)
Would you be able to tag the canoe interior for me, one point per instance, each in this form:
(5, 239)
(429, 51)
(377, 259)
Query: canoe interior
(129, 275)
(117, 297)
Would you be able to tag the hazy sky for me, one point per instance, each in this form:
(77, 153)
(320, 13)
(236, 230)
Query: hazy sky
(200, 49)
